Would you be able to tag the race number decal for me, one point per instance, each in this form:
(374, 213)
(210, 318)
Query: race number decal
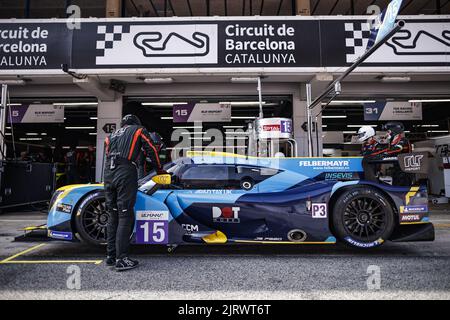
(319, 210)
(152, 227)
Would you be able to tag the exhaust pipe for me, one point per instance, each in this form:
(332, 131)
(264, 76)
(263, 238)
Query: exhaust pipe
(297, 235)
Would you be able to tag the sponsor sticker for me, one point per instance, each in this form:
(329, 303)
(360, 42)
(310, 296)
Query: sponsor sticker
(60, 235)
(268, 239)
(319, 210)
(416, 162)
(410, 218)
(226, 214)
(325, 164)
(272, 127)
(190, 227)
(152, 215)
(212, 192)
(67, 208)
(333, 176)
(414, 209)
(362, 244)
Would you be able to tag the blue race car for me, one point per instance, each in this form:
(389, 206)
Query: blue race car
(219, 198)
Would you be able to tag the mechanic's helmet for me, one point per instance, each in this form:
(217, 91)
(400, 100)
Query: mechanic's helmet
(394, 127)
(130, 119)
(365, 133)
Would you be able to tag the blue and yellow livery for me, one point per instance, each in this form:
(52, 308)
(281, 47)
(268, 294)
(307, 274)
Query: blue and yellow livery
(219, 198)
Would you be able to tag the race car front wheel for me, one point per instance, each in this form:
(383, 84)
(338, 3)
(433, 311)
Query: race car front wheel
(363, 217)
(91, 219)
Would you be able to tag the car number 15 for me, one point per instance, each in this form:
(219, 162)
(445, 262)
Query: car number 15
(152, 232)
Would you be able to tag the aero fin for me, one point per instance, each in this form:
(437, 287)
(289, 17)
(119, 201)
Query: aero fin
(216, 237)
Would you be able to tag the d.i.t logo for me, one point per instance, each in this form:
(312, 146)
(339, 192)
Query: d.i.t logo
(226, 214)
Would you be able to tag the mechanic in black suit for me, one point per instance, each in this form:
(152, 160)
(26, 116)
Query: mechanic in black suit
(123, 148)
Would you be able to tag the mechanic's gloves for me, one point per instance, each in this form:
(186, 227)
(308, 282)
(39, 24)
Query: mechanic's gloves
(161, 171)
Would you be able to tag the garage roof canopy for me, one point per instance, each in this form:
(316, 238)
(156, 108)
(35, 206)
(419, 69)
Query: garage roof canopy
(168, 8)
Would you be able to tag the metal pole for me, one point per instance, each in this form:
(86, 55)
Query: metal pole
(336, 84)
(261, 113)
(309, 119)
(363, 58)
(3, 121)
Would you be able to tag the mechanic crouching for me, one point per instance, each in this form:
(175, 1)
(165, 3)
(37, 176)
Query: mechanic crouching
(391, 145)
(123, 148)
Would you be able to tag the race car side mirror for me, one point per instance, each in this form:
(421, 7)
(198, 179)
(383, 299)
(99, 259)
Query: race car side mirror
(162, 179)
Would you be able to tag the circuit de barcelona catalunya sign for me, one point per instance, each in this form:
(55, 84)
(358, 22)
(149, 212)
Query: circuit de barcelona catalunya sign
(204, 43)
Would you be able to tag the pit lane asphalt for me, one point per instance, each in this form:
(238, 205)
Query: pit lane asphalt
(408, 270)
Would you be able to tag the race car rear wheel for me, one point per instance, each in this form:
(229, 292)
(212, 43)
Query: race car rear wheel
(363, 217)
(91, 219)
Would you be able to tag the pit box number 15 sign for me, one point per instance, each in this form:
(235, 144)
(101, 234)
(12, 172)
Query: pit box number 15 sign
(152, 227)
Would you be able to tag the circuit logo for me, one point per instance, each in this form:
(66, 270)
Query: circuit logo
(226, 214)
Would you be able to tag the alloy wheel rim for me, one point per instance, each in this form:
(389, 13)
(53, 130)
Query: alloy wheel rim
(95, 220)
(365, 218)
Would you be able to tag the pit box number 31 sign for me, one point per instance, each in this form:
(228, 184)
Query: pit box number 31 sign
(152, 227)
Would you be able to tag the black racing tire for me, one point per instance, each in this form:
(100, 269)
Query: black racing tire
(247, 183)
(363, 217)
(91, 219)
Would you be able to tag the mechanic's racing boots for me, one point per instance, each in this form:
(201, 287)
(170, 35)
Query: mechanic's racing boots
(126, 264)
(111, 261)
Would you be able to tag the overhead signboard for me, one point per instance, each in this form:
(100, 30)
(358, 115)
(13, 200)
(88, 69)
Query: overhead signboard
(34, 45)
(202, 112)
(385, 111)
(223, 44)
(297, 42)
(36, 113)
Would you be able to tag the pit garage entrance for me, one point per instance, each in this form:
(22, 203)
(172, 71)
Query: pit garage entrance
(157, 114)
(342, 119)
(45, 129)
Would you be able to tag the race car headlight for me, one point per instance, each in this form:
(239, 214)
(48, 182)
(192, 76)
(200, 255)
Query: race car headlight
(54, 197)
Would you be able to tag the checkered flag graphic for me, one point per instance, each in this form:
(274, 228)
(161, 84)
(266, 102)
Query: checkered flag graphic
(357, 36)
(107, 35)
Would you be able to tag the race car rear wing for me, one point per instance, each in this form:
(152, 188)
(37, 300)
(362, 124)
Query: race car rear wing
(415, 162)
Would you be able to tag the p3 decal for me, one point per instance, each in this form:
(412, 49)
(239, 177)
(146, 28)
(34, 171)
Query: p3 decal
(319, 210)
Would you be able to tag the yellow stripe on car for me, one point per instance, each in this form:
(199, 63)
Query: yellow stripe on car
(282, 242)
(70, 187)
(191, 154)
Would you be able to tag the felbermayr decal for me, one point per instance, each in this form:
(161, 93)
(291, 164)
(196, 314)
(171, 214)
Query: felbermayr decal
(260, 44)
(326, 164)
(156, 44)
(417, 42)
